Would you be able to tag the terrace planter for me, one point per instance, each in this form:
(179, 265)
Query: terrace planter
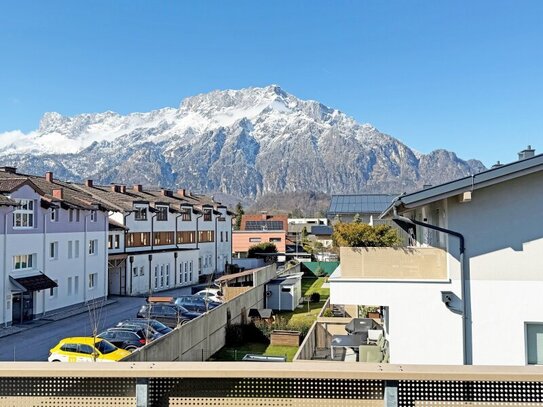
(286, 338)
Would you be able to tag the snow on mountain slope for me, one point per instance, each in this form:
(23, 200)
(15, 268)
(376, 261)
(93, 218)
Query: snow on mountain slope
(242, 142)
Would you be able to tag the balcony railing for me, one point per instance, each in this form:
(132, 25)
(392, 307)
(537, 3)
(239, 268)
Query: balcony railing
(390, 263)
(266, 384)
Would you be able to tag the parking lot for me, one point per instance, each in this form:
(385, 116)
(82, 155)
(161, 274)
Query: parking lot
(33, 344)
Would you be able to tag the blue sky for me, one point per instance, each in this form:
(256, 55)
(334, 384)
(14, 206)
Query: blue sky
(462, 75)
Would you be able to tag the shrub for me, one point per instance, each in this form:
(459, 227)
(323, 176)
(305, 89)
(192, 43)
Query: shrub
(240, 334)
(315, 297)
(327, 313)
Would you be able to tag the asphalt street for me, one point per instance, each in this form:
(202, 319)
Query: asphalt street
(34, 344)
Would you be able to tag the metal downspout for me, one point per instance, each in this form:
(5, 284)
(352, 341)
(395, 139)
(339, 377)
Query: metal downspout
(463, 286)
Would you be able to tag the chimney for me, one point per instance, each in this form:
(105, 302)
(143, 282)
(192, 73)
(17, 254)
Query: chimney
(49, 176)
(497, 165)
(264, 215)
(527, 153)
(123, 189)
(58, 193)
(115, 188)
(181, 192)
(89, 183)
(10, 170)
(137, 188)
(166, 192)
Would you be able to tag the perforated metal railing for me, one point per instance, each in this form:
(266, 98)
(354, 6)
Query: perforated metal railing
(303, 384)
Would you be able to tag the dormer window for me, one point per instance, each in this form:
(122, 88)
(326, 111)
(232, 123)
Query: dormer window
(140, 214)
(23, 216)
(162, 213)
(186, 214)
(207, 215)
(54, 214)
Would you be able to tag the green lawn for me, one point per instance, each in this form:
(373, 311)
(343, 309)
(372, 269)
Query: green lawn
(299, 319)
(232, 353)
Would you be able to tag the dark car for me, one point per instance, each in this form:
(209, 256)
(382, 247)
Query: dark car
(169, 314)
(153, 323)
(125, 338)
(195, 303)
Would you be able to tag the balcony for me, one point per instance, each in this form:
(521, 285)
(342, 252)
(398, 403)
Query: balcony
(391, 263)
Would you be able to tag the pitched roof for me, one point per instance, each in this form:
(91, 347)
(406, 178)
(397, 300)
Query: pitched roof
(470, 183)
(360, 203)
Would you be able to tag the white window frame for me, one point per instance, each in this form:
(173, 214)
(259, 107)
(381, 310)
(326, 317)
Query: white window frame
(93, 216)
(19, 259)
(93, 280)
(93, 247)
(53, 250)
(54, 214)
(25, 214)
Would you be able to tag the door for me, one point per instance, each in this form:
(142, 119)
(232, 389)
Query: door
(23, 307)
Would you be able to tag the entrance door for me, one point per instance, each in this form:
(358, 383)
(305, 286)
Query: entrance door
(23, 307)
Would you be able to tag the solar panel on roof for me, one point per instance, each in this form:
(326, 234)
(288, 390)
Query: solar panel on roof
(264, 225)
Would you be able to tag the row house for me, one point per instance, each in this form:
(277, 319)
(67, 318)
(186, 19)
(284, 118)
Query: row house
(53, 240)
(160, 239)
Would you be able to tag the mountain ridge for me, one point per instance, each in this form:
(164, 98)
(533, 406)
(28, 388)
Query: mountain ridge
(245, 143)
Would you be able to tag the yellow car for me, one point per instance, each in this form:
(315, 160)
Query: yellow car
(86, 349)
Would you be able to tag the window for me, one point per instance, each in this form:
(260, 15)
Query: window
(161, 275)
(93, 247)
(117, 242)
(110, 242)
(23, 262)
(275, 239)
(53, 250)
(185, 237)
(162, 213)
(207, 215)
(93, 216)
(137, 239)
(285, 289)
(77, 212)
(186, 214)
(156, 276)
(53, 290)
(71, 215)
(167, 275)
(226, 233)
(135, 271)
(255, 239)
(76, 249)
(70, 249)
(163, 238)
(70, 285)
(142, 271)
(23, 216)
(182, 279)
(221, 236)
(190, 269)
(93, 279)
(76, 285)
(199, 265)
(534, 343)
(54, 214)
(140, 214)
(206, 236)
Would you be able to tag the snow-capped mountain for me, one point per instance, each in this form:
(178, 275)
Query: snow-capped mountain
(241, 142)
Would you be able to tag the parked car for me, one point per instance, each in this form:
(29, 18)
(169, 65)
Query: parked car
(196, 303)
(211, 294)
(86, 349)
(169, 314)
(127, 337)
(157, 326)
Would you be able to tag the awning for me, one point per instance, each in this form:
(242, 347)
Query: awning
(35, 283)
(15, 287)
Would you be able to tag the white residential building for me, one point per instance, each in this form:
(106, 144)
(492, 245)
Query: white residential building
(469, 288)
(53, 245)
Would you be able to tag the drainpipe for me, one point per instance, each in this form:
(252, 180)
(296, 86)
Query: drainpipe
(150, 257)
(125, 216)
(197, 238)
(152, 231)
(44, 256)
(216, 238)
(463, 286)
(106, 236)
(131, 258)
(6, 268)
(85, 254)
(175, 254)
